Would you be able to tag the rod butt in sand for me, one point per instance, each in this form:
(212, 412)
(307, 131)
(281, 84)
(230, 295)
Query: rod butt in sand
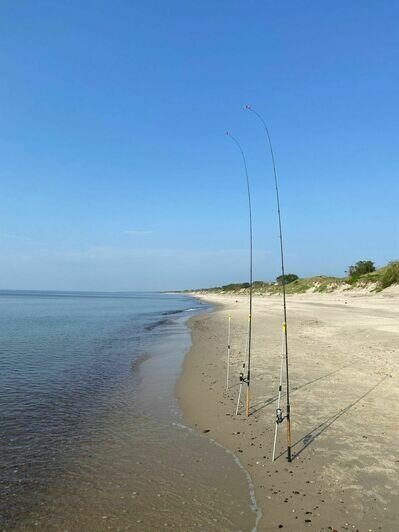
(247, 401)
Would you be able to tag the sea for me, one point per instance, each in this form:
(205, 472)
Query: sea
(91, 434)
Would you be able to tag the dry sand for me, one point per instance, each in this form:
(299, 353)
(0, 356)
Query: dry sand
(344, 358)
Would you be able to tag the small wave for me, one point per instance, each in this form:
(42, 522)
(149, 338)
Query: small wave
(157, 324)
(139, 360)
(168, 312)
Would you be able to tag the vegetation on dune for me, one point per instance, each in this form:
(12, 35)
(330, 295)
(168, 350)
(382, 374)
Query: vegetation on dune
(319, 283)
(372, 279)
(389, 275)
(234, 286)
(288, 278)
(380, 278)
(361, 268)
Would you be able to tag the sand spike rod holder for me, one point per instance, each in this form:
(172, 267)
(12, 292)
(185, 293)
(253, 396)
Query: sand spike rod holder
(279, 416)
(247, 379)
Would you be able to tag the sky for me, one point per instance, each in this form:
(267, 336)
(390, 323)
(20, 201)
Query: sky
(115, 170)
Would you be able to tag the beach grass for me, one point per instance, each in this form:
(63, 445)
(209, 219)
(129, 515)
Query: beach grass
(376, 281)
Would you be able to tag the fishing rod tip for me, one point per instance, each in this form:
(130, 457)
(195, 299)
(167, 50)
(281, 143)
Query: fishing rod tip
(247, 106)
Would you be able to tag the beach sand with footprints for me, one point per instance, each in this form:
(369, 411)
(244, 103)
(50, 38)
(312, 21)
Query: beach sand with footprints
(344, 360)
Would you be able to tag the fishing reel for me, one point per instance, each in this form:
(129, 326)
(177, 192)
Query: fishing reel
(243, 379)
(279, 416)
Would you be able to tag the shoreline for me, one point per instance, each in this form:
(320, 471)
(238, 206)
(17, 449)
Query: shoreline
(132, 464)
(344, 361)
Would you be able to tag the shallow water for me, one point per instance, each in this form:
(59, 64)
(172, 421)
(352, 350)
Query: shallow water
(91, 433)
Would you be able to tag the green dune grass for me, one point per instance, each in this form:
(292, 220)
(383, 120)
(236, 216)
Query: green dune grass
(378, 280)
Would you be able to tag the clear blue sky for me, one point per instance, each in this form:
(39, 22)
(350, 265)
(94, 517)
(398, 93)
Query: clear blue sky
(115, 170)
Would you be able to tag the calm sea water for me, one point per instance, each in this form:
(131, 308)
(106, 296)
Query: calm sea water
(89, 427)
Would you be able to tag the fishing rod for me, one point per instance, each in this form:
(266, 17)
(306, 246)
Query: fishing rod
(279, 417)
(228, 350)
(247, 380)
(279, 413)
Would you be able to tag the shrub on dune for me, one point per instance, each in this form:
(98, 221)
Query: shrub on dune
(390, 275)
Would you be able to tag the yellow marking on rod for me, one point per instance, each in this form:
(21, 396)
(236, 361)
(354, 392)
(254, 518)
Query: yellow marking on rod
(249, 316)
(247, 402)
(229, 318)
(284, 327)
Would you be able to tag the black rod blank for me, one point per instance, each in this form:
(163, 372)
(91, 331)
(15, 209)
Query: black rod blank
(288, 414)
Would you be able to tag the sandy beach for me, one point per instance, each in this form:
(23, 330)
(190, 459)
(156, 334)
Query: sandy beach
(344, 358)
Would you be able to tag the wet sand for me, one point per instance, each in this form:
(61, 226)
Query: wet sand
(138, 467)
(344, 361)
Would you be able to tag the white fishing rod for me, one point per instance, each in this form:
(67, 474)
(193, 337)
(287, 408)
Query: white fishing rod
(228, 351)
(279, 416)
(242, 379)
(280, 387)
(247, 379)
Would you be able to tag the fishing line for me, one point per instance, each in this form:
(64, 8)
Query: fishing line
(283, 281)
(247, 379)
